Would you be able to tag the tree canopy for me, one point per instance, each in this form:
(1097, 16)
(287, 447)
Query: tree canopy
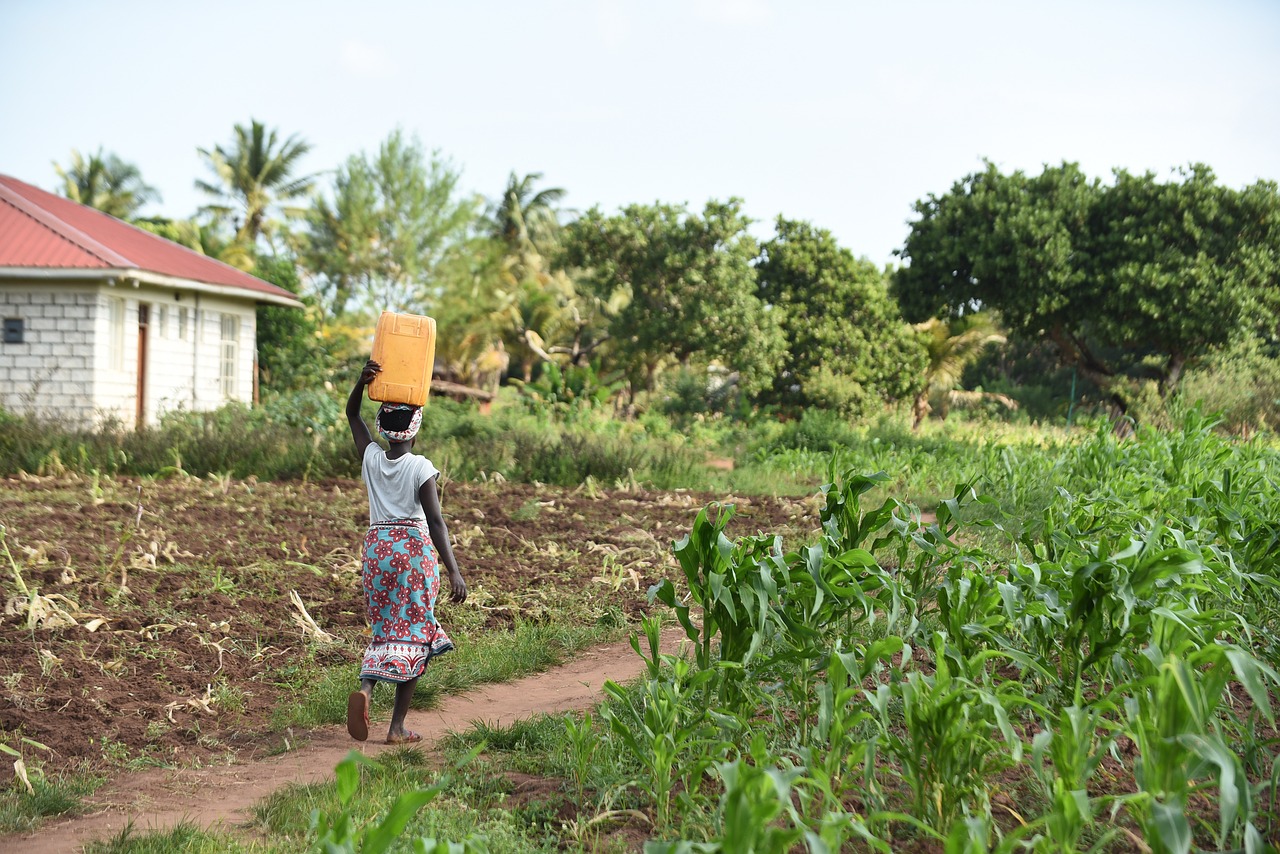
(848, 347)
(1128, 283)
(394, 217)
(685, 288)
(254, 173)
(1138, 278)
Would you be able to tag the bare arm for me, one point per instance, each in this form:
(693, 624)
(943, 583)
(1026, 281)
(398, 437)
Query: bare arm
(430, 499)
(360, 430)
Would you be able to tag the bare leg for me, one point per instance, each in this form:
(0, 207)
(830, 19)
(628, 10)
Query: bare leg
(404, 696)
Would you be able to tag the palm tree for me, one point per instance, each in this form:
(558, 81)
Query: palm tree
(953, 345)
(254, 173)
(202, 237)
(107, 183)
(525, 217)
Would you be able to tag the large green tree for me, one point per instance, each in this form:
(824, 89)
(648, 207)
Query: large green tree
(254, 177)
(292, 354)
(848, 347)
(383, 240)
(683, 287)
(107, 183)
(1133, 280)
(1184, 267)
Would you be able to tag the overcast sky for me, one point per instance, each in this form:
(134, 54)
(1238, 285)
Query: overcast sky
(842, 114)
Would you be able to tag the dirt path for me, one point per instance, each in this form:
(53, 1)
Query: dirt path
(161, 798)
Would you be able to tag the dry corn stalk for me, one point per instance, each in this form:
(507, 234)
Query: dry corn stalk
(153, 631)
(54, 611)
(20, 771)
(309, 627)
(19, 766)
(201, 704)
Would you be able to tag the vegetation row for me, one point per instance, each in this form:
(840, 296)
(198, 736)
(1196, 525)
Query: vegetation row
(1079, 653)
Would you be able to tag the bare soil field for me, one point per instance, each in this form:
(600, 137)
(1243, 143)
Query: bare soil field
(165, 632)
(222, 796)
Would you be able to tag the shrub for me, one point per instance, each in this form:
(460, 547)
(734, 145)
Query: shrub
(817, 430)
(1242, 383)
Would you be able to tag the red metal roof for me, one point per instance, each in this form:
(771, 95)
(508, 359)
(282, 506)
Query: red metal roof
(39, 229)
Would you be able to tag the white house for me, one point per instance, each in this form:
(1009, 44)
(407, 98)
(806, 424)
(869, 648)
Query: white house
(102, 320)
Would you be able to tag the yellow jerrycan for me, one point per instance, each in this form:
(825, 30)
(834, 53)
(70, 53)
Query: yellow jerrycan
(405, 346)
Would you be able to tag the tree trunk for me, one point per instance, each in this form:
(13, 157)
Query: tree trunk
(920, 410)
(1073, 351)
(1172, 373)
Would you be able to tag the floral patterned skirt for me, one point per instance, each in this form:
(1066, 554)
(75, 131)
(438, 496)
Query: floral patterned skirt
(401, 579)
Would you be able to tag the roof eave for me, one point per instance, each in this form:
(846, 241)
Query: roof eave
(112, 276)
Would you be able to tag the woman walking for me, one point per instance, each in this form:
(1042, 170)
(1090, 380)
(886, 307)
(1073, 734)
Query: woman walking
(403, 549)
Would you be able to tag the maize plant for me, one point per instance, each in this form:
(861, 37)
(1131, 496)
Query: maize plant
(735, 586)
(1065, 755)
(1171, 716)
(943, 739)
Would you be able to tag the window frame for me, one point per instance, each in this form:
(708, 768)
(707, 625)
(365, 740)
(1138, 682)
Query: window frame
(228, 355)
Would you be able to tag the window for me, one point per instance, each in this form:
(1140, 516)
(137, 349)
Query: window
(184, 321)
(230, 350)
(162, 322)
(115, 333)
(13, 330)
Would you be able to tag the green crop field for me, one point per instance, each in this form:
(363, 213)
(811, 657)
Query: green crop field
(1074, 647)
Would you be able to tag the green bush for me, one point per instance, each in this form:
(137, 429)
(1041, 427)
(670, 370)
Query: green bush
(817, 430)
(303, 435)
(1242, 384)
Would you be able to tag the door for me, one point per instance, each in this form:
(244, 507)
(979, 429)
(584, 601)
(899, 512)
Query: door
(144, 319)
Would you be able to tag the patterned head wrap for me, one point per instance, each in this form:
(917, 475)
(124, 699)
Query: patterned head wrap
(415, 421)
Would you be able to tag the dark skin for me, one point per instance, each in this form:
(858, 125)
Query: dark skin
(430, 500)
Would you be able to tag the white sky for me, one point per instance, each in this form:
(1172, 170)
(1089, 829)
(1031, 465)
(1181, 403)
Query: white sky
(839, 113)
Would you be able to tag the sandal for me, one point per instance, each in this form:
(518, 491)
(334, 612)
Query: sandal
(358, 715)
(407, 738)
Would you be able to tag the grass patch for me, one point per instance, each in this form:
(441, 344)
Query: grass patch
(538, 733)
(186, 838)
(21, 811)
(485, 659)
(286, 814)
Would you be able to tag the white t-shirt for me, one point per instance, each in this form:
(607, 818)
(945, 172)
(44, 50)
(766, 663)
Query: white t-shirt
(393, 484)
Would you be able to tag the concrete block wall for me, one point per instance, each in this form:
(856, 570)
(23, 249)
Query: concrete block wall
(50, 373)
(78, 359)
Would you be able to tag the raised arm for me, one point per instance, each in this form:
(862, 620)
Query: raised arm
(360, 430)
(430, 499)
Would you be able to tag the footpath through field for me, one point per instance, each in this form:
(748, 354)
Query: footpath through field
(159, 799)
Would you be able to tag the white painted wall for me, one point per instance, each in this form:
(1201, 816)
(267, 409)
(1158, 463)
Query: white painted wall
(77, 357)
